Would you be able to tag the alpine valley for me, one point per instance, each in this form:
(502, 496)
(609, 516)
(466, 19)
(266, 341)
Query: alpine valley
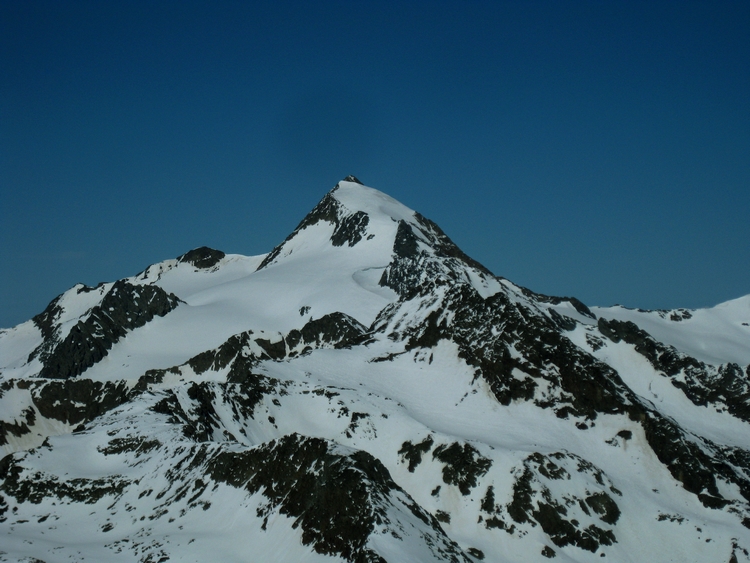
(368, 393)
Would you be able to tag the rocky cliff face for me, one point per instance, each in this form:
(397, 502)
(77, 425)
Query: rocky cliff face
(365, 392)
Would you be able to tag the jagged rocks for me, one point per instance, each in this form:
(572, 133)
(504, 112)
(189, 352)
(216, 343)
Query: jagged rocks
(125, 307)
(444, 247)
(698, 464)
(46, 322)
(349, 228)
(244, 351)
(198, 417)
(338, 498)
(72, 402)
(78, 401)
(727, 385)
(335, 329)
(515, 348)
(17, 427)
(462, 465)
(413, 452)
(579, 306)
(412, 268)
(224, 355)
(568, 519)
(35, 487)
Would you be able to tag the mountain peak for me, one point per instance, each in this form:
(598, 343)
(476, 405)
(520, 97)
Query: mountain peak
(354, 197)
(351, 178)
(355, 211)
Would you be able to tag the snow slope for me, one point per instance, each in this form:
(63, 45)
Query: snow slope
(715, 335)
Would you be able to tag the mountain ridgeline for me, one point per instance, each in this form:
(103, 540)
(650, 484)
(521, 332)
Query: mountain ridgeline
(367, 392)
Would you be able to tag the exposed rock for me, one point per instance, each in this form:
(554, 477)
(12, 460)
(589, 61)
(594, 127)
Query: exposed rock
(413, 452)
(335, 329)
(78, 401)
(576, 303)
(202, 258)
(726, 385)
(348, 227)
(462, 465)
(18, 427)
(124, 308)
(533, 502)
(339, 499)
(35, 487)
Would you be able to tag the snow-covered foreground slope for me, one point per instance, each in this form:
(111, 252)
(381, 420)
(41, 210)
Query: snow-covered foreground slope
(367, 392)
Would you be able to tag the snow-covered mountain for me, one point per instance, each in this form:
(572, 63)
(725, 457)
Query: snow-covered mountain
(366, 392)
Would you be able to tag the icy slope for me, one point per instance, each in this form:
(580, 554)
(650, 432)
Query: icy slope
(367, 392)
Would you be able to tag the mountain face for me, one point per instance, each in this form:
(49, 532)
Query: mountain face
(366, 392)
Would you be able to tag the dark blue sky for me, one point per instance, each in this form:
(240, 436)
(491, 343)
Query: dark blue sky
(594, 149)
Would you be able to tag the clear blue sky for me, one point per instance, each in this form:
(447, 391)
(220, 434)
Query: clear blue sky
(593, 149)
